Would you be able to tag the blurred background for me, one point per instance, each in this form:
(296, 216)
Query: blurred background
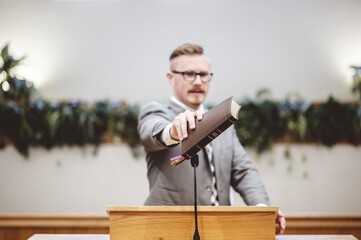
(117, 50)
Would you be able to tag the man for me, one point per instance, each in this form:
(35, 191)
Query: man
(223, 164)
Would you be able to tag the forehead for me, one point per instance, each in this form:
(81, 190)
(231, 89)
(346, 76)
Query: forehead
(191, 62)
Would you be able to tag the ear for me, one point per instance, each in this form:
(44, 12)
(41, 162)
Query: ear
(170, 77)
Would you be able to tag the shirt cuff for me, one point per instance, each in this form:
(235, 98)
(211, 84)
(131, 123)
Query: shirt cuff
(261, 205)
(166, 138)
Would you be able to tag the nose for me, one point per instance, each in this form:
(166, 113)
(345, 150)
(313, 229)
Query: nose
(197, 80)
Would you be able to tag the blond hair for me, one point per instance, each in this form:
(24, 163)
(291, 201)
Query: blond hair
(187, 49)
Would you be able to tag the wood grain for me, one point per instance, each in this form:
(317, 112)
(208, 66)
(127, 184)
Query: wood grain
(215, 223)
(21, 227)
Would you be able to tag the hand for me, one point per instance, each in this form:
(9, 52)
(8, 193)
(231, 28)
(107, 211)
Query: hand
(281, 221)
(179, 131)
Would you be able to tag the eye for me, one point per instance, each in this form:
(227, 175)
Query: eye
(190, 74)
(203, 74)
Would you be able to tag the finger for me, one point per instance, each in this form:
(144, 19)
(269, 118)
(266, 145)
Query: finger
(176, 128)
(281, 220)
(198, 115)
(180, 123)
(183, 123)
(280, 230)
(190, 119)
(282, 225)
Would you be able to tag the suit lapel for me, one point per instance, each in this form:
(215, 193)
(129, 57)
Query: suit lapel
(175, 108)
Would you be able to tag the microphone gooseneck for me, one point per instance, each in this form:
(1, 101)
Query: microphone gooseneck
(194, 163)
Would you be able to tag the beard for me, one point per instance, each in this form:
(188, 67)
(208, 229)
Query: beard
(196, 97)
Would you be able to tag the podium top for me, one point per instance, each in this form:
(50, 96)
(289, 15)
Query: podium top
(113, 209)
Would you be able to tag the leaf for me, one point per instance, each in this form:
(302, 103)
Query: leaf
(5, 52)
(53, 123)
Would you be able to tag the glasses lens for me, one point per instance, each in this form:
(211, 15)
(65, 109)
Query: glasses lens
(190, 76)
(205, 76)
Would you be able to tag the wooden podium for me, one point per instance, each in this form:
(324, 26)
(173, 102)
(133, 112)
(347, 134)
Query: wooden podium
(177, 222)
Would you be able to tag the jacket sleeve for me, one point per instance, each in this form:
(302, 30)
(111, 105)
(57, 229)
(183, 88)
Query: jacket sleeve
(153, 118)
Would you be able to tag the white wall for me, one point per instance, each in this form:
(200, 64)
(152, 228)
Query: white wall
(93, 50)
(71, 180)
(316, 180)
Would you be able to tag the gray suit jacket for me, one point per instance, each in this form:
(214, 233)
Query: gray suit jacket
(173, 185)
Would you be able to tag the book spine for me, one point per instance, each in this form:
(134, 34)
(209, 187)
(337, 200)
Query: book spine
(206, 140)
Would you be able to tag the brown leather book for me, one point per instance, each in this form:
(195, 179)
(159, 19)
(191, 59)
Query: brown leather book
(214, 122)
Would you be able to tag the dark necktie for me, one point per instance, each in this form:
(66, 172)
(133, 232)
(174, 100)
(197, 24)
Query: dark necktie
(214, 197)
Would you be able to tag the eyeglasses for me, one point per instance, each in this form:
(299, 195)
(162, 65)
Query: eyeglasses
(190, 76)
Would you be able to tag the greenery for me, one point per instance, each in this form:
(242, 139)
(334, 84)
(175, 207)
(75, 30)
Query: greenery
(27, 120)
(41, 123)
(262, 122)
(356, 83)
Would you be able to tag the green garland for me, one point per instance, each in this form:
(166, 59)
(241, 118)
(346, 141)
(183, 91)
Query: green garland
(28, 121)
(40, 123)
(262, 123)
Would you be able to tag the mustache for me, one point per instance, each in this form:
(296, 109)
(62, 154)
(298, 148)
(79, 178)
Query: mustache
(196, 89)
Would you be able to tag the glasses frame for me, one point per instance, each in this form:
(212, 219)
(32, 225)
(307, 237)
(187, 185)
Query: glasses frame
(195, 76)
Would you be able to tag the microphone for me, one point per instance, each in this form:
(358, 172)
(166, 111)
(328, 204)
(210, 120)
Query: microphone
(194, 163)
(195, 160)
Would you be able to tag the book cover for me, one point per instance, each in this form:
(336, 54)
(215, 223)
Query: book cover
(214, 122)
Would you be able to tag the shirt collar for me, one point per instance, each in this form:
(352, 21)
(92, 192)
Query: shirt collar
(175, 100)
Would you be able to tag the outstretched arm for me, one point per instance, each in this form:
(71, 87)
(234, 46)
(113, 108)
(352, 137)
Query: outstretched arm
(154, 118)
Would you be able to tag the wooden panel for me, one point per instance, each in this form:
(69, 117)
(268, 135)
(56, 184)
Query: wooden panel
(324, 225)
(70, 237)
(45, 221)
(20, 227)
(353, 221)
(215, 223)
